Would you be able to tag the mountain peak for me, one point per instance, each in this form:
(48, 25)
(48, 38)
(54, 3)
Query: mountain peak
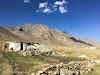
(43, 34)
(40, 26)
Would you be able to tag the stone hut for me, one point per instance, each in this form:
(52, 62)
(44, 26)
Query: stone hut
(26, 48)
(14, 46)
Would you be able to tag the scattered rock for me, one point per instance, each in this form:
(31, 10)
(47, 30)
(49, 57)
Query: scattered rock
(75, 68)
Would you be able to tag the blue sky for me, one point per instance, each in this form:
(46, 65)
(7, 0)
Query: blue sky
(77, 17)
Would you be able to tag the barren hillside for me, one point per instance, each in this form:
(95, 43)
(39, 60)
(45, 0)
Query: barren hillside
(7, 35)
(43, 34)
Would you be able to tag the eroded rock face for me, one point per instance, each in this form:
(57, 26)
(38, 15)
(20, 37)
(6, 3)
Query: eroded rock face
(75, 68)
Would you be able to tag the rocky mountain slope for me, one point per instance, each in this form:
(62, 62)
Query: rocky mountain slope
(16, 64)
(7, 35)
(97, 44)
(43, 34)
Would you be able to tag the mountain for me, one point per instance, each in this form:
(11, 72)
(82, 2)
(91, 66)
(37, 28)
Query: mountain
(7, 35)
(14, 63)
(54, 38)
(40, 33)
(96, 44)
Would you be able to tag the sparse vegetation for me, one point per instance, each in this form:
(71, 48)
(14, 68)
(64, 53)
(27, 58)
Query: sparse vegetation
(27, 63)
(66, 50)
(96, 70)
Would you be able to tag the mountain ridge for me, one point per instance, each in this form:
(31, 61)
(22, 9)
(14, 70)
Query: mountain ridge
(48, 36)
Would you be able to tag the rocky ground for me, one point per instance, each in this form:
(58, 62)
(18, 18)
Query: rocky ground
(75, 68)
(16, 64)
(73, 56)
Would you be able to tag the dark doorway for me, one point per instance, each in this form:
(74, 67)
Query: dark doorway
(21, 46)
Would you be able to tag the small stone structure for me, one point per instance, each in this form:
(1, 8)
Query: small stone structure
(12, 46)
(36, 49)
(26, 48)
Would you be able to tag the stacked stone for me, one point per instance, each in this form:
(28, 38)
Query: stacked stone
(37, 49)
(29, 52)
(69, 69)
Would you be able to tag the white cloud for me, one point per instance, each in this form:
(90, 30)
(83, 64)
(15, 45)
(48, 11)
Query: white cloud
(26, 1)
(42, 5)
(57, 6)
(60, 2)
(62, 10)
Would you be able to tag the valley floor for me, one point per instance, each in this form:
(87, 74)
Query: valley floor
(13, 62)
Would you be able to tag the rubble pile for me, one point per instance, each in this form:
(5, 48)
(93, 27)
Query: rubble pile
(75, 68)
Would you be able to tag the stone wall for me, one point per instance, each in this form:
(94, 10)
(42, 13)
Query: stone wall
(75, 68)
(37, 49)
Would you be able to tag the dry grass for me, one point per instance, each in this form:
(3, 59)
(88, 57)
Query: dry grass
(95, 54)
(96, 71)
(65, 55)
(75, 52)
